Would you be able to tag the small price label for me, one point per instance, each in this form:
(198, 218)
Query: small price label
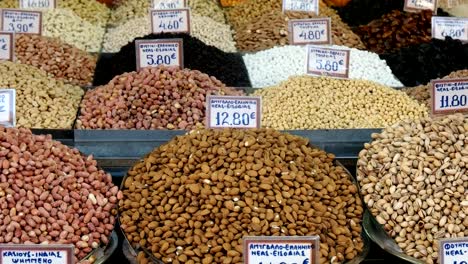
(51, 254)
(45, 4)
(22, 21)
(233, 111)
(310, 31)
(449, 96)
(453, 250)
(327, 62)
(310, 6)
(7, 110)
(172, 21)
(279, 249)
(418, 5)
(151, 53)
(7, 45)
(169, 4)
(454, 27)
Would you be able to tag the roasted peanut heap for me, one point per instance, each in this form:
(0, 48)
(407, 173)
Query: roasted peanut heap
(193, 199)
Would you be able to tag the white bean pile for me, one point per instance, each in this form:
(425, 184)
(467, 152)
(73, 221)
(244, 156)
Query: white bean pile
(272, 66)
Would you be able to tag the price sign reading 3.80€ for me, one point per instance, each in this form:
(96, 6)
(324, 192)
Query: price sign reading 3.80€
(454, 27)
(327, 62)
(151, 53)
(309, 6)
(449, 96)
(233, 111)
(7, 108)
(22, 21)
(453, 250)
(7, 46)
(310, 31)
(169, 4)
(45, 4)
(418, 5)
(172, 21)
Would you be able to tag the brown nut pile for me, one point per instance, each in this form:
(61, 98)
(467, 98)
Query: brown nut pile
(396, 30)
(413, 177)
(153, 98)
(63, 61)
(51, 194)
(193, 199)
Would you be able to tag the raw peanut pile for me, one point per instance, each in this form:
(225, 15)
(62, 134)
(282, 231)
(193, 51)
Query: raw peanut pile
(51, 194)
(193, 199)
(153, 98)
(413, 178)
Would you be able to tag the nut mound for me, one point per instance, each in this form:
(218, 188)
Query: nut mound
(193, 199)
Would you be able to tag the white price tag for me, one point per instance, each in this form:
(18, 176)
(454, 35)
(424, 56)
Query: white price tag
(311, 6)
(418, 5)
(449, 96)
(169, 4)
(233, 111)
(7, 45)
(45, 4)
(7, 110)
(281, 249)
(454, 27)
(453, 250)
(327, 62)
(50, 254)
(22, 21)
(310, 31)
(171, 21)
(151, 53)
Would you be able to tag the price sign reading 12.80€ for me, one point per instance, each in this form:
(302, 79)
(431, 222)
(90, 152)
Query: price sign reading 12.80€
(454, 27)
(169, 4)
(418, 5)
(233, 111)
(327, 62)
(50, 254)
(309, 6)
(7, 45)
(310, 31)
(151, 53)
(7, 108)
(172, 21)
(22, 21)
(45, 4)
(453, 250)
(449, 96)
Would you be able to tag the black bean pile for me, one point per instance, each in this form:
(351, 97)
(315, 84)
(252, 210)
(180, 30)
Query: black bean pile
(419, 64)
(352, 13)
(226, 67)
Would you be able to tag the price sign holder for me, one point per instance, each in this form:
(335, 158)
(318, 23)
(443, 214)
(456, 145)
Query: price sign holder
(21, 21)
(310, 31)
(454, 27)
(453, 250)
(327, 62)
(45, 4)
(449, 96)
(154, 52)
(233, 111)
(309, 6)
(281, 249)
(7, 46)
(170, 21)
(419, 5)
(169, 4)
(53, 254)
(7, 111)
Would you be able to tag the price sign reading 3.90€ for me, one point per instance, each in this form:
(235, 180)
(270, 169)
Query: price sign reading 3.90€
(327, 62)
(233, 111)
(453, 250)
(45, 4)
(172, 21)
(418, 5)
(169, 4)
(454, 27)
(310, 6)
(7, 108)
(449, 96)
(22, 21)
(7, 45)
(50, 254)
(310, 31)
(151, 53)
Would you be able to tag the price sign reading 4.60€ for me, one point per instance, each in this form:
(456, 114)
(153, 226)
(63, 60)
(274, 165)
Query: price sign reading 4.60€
(169, 4)
(22, 21)
(327, 62)
(449, 96)
(51, 254)
(454, 27)
(151, 53)
(172, 21)
(277, 250)
(453, 250)
(46, 4)
(418, 5)
(310, 6)
(233, 111)
(7, 45)
(310, 31)
(7, 109)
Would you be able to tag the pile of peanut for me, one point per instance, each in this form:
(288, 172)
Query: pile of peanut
(193, 199)
(413, 179)
(51, 194)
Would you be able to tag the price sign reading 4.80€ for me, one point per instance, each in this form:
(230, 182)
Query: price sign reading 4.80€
(169, 4)
(418, 5)
(46, 4)
(7, 46)
(310, 31)
(233, 111)
(310, 6)
(327, 62)
(22, 21)
(7, 109)
(453, 250)
(278, 250)
(51, 254)
(454, 27)
(151, 53)
(449, 96)
(172, 21)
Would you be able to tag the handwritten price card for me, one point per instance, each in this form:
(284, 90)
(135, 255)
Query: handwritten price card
(172, 21)
(169, 4)
(310, 31)
(453, 250)
(309, 6)
(418, 5)
(151, 53)
(50, 254)
(7, 46)
(22, 21)
(327, 62)
(454, 27)
(45, 4)
(233, 111)
(7, 109)
(449, 96)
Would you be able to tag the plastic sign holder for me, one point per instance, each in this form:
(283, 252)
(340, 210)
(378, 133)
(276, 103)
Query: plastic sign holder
(233, 111)
(170, 21)
(454, 27)
(327, 61)
(7, 46)
(7, 109)
(42, 4)
(453, 250)
(310, 31)
(449, 96)
(21, 21)
(154, 52)
(48, 254)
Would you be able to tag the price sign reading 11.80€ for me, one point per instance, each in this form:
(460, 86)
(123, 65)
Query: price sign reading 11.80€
(22, 21)
(309, 6)
(453, 250)
(454, 27)
(449, 96)
(151, 53)
(45, 4)
(172, 21)
(233, 111)
(169, 4)
(310, 31)
(327, 62)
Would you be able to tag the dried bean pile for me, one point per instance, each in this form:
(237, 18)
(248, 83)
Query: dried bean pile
(413, 178)
(193, 199)
(250, 11)
(420, 64)
(51, 194)
(153, 98)
(41, 101)
(305, 102)
(63, 61)
(226, 67)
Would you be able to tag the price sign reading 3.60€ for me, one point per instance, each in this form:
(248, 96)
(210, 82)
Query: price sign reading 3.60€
(453, 250)
(151, 53)
(7, 108)
(449, 96)
(233, 111)
(172, 21)
(169, 4)
(418, 5)
(310, 31)
(327, 62)
(309, 6)
(454, 27)
(7, 46)
(22, 21)
(45, 4)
